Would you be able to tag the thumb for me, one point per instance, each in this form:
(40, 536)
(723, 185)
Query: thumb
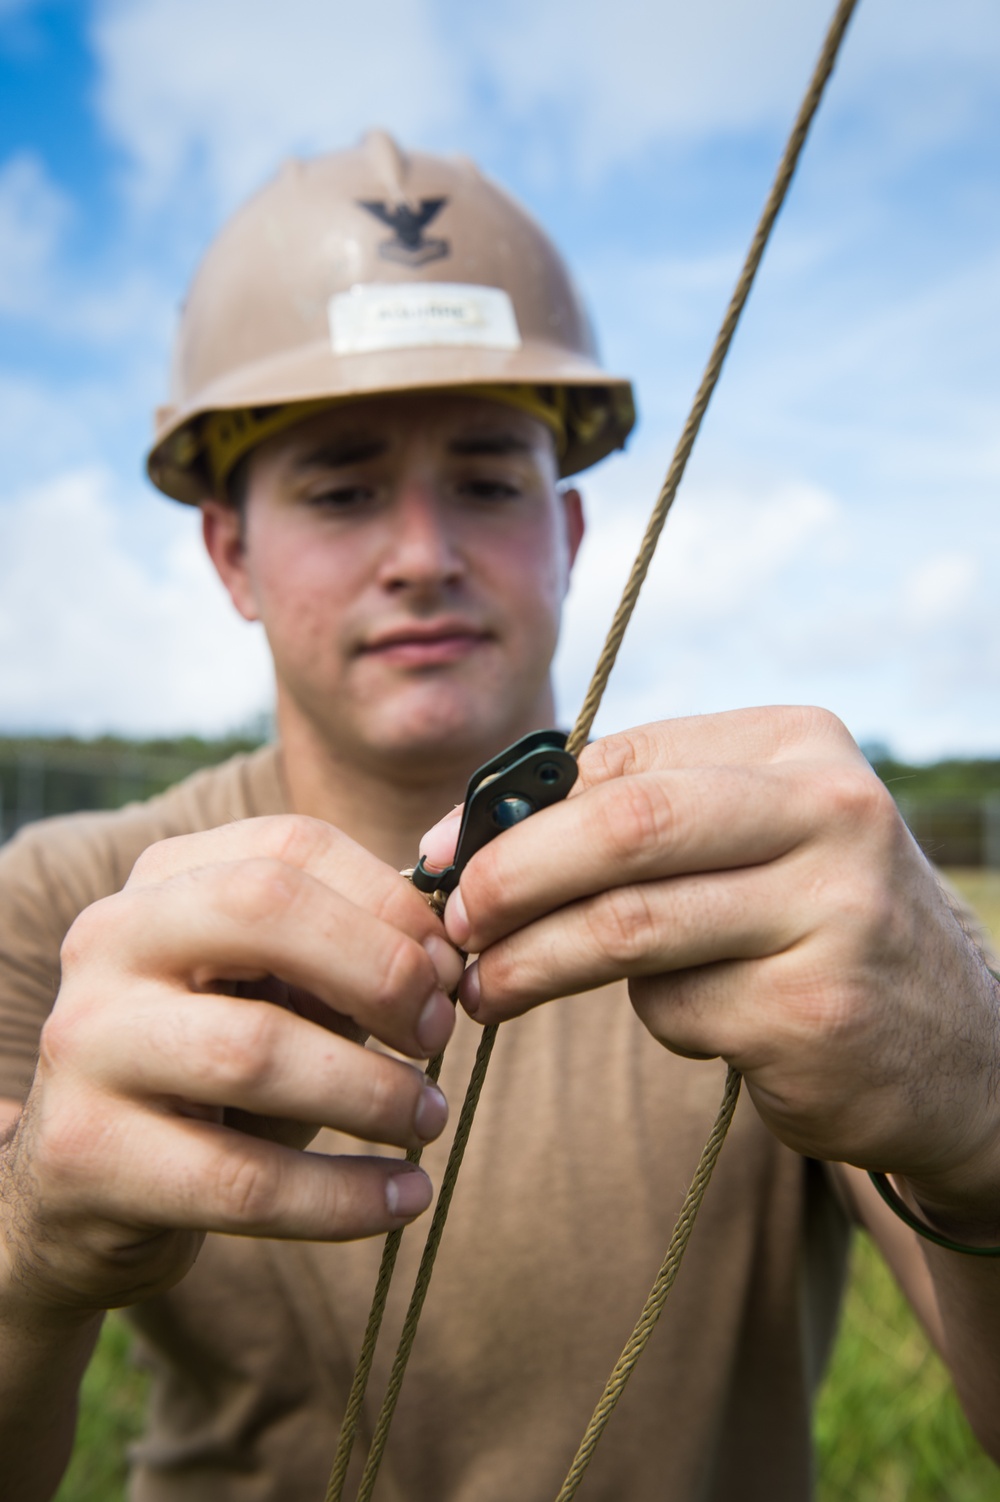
(438, 845)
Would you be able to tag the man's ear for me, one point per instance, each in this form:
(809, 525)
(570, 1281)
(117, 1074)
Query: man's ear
(223, 531)
(575, 525)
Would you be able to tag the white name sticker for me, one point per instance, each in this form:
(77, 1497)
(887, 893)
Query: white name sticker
(381, 315)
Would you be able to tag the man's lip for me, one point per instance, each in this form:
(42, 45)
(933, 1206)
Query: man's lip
(419, 645)
(423, 634)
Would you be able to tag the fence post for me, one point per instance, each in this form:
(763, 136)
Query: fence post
(30, 788)
(991, 832)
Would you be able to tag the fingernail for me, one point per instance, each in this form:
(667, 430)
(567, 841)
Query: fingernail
(431, 1114)
(435, 1024)
(446, 962)
(470, 992)
(456, 919)
(407, 1193)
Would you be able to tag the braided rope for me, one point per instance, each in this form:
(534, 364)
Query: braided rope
(362, 1371)
(779, 188)
(575, 743)
(420, 1287)
(653, 1307)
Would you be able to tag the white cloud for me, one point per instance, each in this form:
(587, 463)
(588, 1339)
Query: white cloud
(783, 594)
(723, 557)
(38, 426)
(38, 279)
(93, 639)
(212, 93)
(640, 73)
(939, 590)
(33, 214)
(264, 80)
(628, 75)
(876, 378)
(217, 93)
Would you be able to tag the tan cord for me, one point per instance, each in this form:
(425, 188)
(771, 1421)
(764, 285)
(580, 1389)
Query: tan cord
(575, 743)
(422, 1283)
(578, 737)
(824, 67)
(653, 1307)
(359, 1382)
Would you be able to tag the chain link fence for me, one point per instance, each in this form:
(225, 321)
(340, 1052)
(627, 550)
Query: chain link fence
(39, 778)
(956, 831)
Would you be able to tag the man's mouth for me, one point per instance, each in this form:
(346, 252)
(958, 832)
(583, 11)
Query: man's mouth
(425, 644)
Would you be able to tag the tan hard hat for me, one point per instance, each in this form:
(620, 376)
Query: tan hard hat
(372, 271)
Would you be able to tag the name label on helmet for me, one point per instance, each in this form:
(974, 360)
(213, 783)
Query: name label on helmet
(385, 315)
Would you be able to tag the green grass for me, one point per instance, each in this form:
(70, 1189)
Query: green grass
(112, 1403)
(888, 1427)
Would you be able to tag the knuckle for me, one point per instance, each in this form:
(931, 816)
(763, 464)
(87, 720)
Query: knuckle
(801, 724)
(58, 1042)
(161, 859)
(856, 798)
(620, 755)
(88, 933)
(150, 863)
(259, 890)
(69, 1149)
(248, 1187)
(390, 1093)
(599, 761)
(809, 1004)
(868, 909)
(622, 925)
(243, 1056)
(637, 820)
(404, 974)
(297, 838)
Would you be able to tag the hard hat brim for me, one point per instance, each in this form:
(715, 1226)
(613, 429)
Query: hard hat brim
(306, 375)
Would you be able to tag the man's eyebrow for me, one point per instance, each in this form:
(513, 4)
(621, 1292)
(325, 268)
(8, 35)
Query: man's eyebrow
(489, 444)
(337, 452)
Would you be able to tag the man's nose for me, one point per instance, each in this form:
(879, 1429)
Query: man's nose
(420, 547)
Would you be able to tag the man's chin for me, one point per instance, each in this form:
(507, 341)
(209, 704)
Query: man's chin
(435, 732)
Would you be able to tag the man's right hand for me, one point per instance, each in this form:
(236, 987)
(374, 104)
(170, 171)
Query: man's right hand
(165, 1106)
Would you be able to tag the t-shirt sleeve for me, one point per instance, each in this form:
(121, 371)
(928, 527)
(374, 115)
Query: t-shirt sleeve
(36, 909)
(52, 870)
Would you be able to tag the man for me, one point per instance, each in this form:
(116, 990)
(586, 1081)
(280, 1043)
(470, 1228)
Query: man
(383, 372)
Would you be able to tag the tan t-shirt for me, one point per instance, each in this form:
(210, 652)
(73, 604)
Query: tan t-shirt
(586, 1137)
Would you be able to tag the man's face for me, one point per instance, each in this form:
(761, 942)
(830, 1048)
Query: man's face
(408, 557)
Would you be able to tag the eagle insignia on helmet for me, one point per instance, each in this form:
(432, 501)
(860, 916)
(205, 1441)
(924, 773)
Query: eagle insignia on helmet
(409, 245)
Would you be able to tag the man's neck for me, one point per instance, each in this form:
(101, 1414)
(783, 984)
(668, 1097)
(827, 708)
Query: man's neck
(383, 811)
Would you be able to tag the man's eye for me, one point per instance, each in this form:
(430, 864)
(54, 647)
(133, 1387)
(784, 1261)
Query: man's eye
(340, 497)
(490, 490)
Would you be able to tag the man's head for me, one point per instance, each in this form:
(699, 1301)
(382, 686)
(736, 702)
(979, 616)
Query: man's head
(408, 557)
(385, 357)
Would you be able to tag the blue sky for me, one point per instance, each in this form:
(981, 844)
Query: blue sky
(837, 535)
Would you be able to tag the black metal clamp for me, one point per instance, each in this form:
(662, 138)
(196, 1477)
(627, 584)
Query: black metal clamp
(532, 774)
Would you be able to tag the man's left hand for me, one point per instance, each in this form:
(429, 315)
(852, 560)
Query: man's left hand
(752, 879)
